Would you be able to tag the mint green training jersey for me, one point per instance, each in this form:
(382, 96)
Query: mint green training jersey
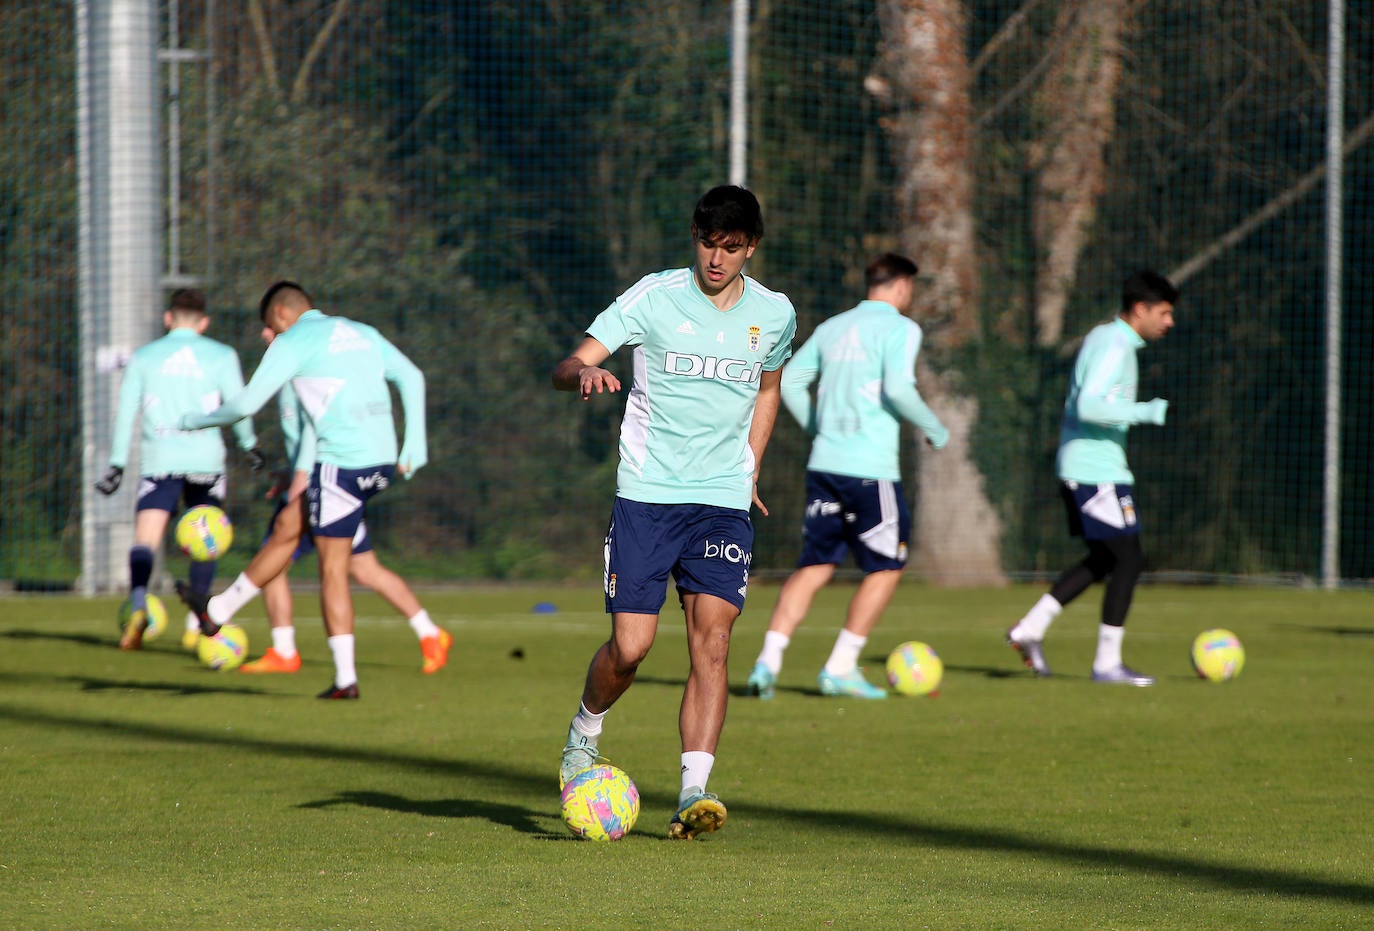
(179, 374)
(866, 361)
(297, 436)
(339, 369)
(685, 435)
(1101, 407)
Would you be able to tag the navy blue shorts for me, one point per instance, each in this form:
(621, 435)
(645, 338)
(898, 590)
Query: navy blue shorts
(706, 549)
(1100, 512)
(864, 516)
(162, 492)
(362, 542)
(338, 497)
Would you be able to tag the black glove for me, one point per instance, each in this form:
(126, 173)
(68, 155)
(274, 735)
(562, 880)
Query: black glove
(256, 460)
(110, 483)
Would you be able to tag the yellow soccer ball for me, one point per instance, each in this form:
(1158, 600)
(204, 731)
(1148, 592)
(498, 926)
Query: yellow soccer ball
(915, 669)
(600, 803)
(1218, 655)
(225, 650)
(204, 533)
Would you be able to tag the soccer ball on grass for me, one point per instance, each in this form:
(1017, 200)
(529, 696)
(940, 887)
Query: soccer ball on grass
(915, 669)
(225, 650)
(1218, 655)
(155, 615)
(600, 803)
(204, 533)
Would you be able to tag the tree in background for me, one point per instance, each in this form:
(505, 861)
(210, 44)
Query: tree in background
(926, 84)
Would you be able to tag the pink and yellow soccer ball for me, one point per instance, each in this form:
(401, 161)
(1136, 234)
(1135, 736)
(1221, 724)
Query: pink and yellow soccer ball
(225, 650)
(915, 669)
(1217, 655)
(204, 533)
(600, 803)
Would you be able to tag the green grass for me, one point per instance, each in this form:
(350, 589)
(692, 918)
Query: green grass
(140, 790)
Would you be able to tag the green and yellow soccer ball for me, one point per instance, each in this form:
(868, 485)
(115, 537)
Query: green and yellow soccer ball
(225, 650)
(204, 533)
(915, 669)
(155, 615)
(600, 803)
(1218, 655)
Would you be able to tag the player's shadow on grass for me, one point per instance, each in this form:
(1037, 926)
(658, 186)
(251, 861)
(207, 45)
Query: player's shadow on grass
(892, 824)
(1333, 631)
(91, 684)
(90, 640)
(512, 816)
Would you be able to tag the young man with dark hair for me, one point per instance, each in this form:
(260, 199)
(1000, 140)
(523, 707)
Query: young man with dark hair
(709, 346)
(1096, 484)
(181, 373)
(339, 369)
(865, 361)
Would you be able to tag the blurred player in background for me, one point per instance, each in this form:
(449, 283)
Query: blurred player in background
(1095, 482)
(865, 360)
(184, 372)
(364, 566)
(709, 346)
(339, 369)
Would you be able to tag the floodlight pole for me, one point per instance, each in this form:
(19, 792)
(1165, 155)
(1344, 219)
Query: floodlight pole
(119, 235)
(1335, 138)
(739, 92)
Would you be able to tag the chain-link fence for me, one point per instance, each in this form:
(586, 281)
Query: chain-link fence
(479, 179)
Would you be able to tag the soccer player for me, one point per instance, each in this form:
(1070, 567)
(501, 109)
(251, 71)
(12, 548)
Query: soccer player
(339, 369)
(865, 360)
(1095, 482)
(709, 346)
(363, 566)
(180, 373)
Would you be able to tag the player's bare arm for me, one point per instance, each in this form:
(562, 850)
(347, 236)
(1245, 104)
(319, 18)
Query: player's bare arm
(761, 427)
(582, 372)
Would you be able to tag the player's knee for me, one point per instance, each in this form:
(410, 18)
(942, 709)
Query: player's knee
(626, 657)
(1129, 556)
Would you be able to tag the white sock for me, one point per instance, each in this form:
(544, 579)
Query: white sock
(423, 626)
(1108, 647)
(587, 723)
(1037, 620)
(226, 604)
(192, 622)
(774, 644)
(696, 770)
(844, 658)
(345, 673)
(284, 641)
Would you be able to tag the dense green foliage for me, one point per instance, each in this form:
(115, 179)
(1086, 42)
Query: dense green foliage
(479, 179)
(143, 791)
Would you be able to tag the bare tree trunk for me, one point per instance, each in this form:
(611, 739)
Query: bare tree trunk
(1076, 112)
(957, 532)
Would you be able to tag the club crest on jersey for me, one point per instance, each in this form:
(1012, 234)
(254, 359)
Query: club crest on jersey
(755, 337)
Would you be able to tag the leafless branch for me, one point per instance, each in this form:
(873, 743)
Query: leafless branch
(298, 87)
(1358, 137)
(1004, 34)
(263, 36)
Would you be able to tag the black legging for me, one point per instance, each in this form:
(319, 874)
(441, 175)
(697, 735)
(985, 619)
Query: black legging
(1123, 559)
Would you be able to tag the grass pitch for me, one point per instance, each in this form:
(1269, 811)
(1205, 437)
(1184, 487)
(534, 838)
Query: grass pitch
(142, 790)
